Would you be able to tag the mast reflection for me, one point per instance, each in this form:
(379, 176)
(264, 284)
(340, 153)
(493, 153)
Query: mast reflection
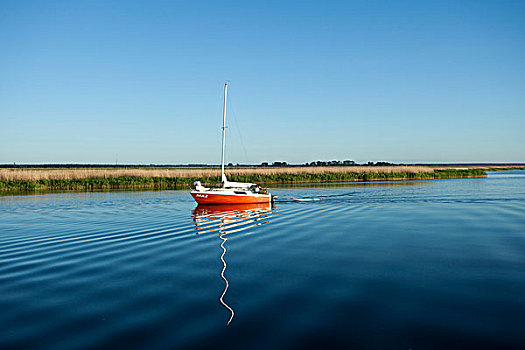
(225, 219)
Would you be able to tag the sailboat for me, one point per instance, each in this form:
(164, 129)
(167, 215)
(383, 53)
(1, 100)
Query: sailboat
(229, 192)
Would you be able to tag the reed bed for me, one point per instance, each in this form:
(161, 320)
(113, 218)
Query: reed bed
(12, 180)
(331, 170)
(82, 173)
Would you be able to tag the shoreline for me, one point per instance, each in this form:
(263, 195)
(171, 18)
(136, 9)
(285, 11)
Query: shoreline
(179, 182)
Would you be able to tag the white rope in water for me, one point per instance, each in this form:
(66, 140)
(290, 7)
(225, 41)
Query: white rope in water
(224, 239)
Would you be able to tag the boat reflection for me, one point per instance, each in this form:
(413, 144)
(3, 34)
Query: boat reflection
(229, 218)
(225, 219)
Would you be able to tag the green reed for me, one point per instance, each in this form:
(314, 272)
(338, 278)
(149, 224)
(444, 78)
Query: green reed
(181, 182)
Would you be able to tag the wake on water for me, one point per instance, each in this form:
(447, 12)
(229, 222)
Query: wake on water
(313, 199)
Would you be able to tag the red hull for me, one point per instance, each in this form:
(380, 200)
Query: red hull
(225, 209)
(207, 198)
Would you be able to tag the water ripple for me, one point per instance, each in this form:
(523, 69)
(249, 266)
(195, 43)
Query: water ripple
(419, 265)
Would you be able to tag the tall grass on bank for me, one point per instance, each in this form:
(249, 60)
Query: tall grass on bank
(88, 179)
(82, 173)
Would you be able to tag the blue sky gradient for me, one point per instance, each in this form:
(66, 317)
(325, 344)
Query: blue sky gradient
(141, 81)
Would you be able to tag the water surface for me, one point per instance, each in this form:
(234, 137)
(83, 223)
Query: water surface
(422, 265)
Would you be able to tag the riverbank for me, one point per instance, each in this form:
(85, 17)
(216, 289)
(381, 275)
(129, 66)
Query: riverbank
(15, 180)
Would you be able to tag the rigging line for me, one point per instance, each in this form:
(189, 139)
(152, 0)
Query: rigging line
(221, 299)
(219, 107)
(237, 128)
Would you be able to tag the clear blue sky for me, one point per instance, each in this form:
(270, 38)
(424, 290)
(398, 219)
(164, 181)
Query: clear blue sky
(141, 81)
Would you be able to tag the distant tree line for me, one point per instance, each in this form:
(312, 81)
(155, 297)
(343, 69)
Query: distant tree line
(263, 164)
(332, 163)
(328, 163)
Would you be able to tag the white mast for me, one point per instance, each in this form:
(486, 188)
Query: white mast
(223, 176)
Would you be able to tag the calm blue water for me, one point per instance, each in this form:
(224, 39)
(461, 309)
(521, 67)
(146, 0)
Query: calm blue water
(421, 265)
